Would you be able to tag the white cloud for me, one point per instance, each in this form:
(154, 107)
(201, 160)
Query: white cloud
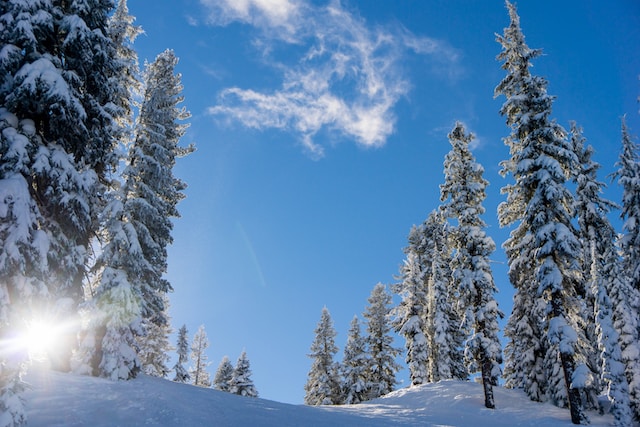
(347, 81)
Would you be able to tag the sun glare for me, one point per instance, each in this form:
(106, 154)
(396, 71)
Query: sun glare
(39, 338)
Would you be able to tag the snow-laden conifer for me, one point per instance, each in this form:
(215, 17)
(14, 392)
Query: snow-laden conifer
(58, 139)
(601, 265)
(409, 320)
(445, 337)
(323, 384)
(223, 376)
(152, 191)
(382, 364)
(614, 297)
(182, 350)
(200, 361)
(354, 366)
(463, 193)
(154, 346)
(543, 249)
(625, 292)
(628, 177)
(241, 382)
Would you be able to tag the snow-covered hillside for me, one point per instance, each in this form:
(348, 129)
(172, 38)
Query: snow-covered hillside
(57, 399)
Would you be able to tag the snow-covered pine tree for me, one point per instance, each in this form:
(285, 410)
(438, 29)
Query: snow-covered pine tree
(58, 139)
(241, 382)
(382, 367)
(445, 337)
(628, 176)
(182, 349)
(152, 192)
(543, 249)
(601, 266)
(463, 193)
(154, 346)
(354, 366)
(223, 376)
(409, 315)
(625, 294)
(198, 371)
(323, 385)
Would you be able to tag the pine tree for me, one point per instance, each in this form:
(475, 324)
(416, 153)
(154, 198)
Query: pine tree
(198, 371)
(152, 192)
(628, 176)
(382, 367)
(410, 316)
(599, 254)
(241, 382)
(354, 366)
(182, 348)
(625, 292)
(223, 376)
(322, 386)
(463, 193)
(445, 337)
(154, 346)
(543, 250)
(58, 139)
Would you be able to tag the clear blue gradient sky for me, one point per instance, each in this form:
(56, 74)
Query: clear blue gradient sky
(321, 128)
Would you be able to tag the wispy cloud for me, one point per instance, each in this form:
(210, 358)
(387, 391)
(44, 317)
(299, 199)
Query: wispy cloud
(347, 79)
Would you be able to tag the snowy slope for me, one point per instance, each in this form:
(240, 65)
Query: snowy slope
(57, 399)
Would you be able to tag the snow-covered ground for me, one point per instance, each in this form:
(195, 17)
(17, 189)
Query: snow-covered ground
(57, 399)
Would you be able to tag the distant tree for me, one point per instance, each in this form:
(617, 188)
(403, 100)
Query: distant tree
(241, 382)
(463, 193)
(354, 366)
(182, 348)
(410, 315)
(382, 365)
(323, 385)
(543, 249)
(198, 371)
(223, 376)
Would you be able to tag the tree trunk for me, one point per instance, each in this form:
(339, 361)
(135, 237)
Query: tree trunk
(573, 394)
(487, 384)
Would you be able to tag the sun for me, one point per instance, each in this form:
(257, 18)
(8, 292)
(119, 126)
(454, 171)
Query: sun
(39, 338)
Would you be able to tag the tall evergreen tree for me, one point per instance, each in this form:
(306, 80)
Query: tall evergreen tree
(382, 365)
(241, 382)
(198, 371)
(599, 250)
(410, 316)
(354, 366)
(152, 192)
(445, 336)
(182, 348)
(628, 176)
(223, 376)
(463, 193)
(601, 265)
(543, 249)
(58, 137)
(625, 295)
(323, 385)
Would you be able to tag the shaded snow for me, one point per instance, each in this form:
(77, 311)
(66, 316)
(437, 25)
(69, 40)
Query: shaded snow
(57, 399)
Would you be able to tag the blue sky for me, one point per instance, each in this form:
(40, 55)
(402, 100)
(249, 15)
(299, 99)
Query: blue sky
(321, 129)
